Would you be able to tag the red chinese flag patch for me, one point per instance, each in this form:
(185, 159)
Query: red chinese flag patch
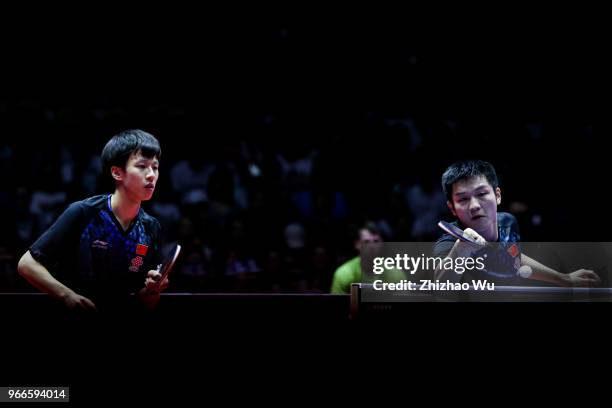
(141, 249)
(513, 250)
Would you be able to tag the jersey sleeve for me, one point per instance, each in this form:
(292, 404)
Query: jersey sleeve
(52, 243)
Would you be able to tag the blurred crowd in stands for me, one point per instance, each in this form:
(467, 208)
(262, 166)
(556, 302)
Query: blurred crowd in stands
(271, 202)
(280, 141)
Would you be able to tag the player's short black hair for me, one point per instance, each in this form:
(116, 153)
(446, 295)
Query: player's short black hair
(119, 148)
(467, 169)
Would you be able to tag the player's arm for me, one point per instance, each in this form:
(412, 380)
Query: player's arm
(450, 275)
(150, 294)
(46, 250)
(581, 277)
(39, 277)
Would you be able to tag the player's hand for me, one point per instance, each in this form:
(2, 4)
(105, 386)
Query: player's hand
(470, 233)
(466, 249)
(75, 301)
(152, 283)
(583, 277)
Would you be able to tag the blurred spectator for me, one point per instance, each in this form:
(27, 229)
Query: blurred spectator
(367, 238)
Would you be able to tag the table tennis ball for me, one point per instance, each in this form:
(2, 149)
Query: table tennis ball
(525, 271)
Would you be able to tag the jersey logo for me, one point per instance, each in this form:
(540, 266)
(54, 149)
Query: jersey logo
(141, 249)
(99, 244)
(136, 264)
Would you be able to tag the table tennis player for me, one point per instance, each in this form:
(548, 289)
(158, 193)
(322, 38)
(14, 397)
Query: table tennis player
(473, 195)
(106, 247)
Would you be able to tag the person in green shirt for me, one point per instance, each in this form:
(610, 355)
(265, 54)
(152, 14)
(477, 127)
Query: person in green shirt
(350, 271)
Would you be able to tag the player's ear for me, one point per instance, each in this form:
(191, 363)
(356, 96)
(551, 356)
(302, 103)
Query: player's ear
(451, 207)
(498, 195)
(117, 173)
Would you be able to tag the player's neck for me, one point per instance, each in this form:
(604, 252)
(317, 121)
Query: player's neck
(124, 208)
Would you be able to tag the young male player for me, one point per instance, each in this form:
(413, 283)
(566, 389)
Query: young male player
(473, 194)
(103, 248)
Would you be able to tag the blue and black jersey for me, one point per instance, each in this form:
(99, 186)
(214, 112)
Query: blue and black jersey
(89, 251)
(501, 261)
(507, 228)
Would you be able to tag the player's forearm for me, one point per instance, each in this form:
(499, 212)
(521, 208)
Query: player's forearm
(447, 275)
(544, 273)
(450, 275)
(39, 277)
(148, 299)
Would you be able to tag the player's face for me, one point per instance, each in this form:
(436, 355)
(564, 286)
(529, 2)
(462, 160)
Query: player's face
(475, 204)
(368, 242)
(140, 176)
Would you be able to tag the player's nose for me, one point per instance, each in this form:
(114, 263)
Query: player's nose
(150, 176)
(474, 205)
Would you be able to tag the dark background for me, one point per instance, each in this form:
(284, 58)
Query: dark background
(513, 85)
(367, 114)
